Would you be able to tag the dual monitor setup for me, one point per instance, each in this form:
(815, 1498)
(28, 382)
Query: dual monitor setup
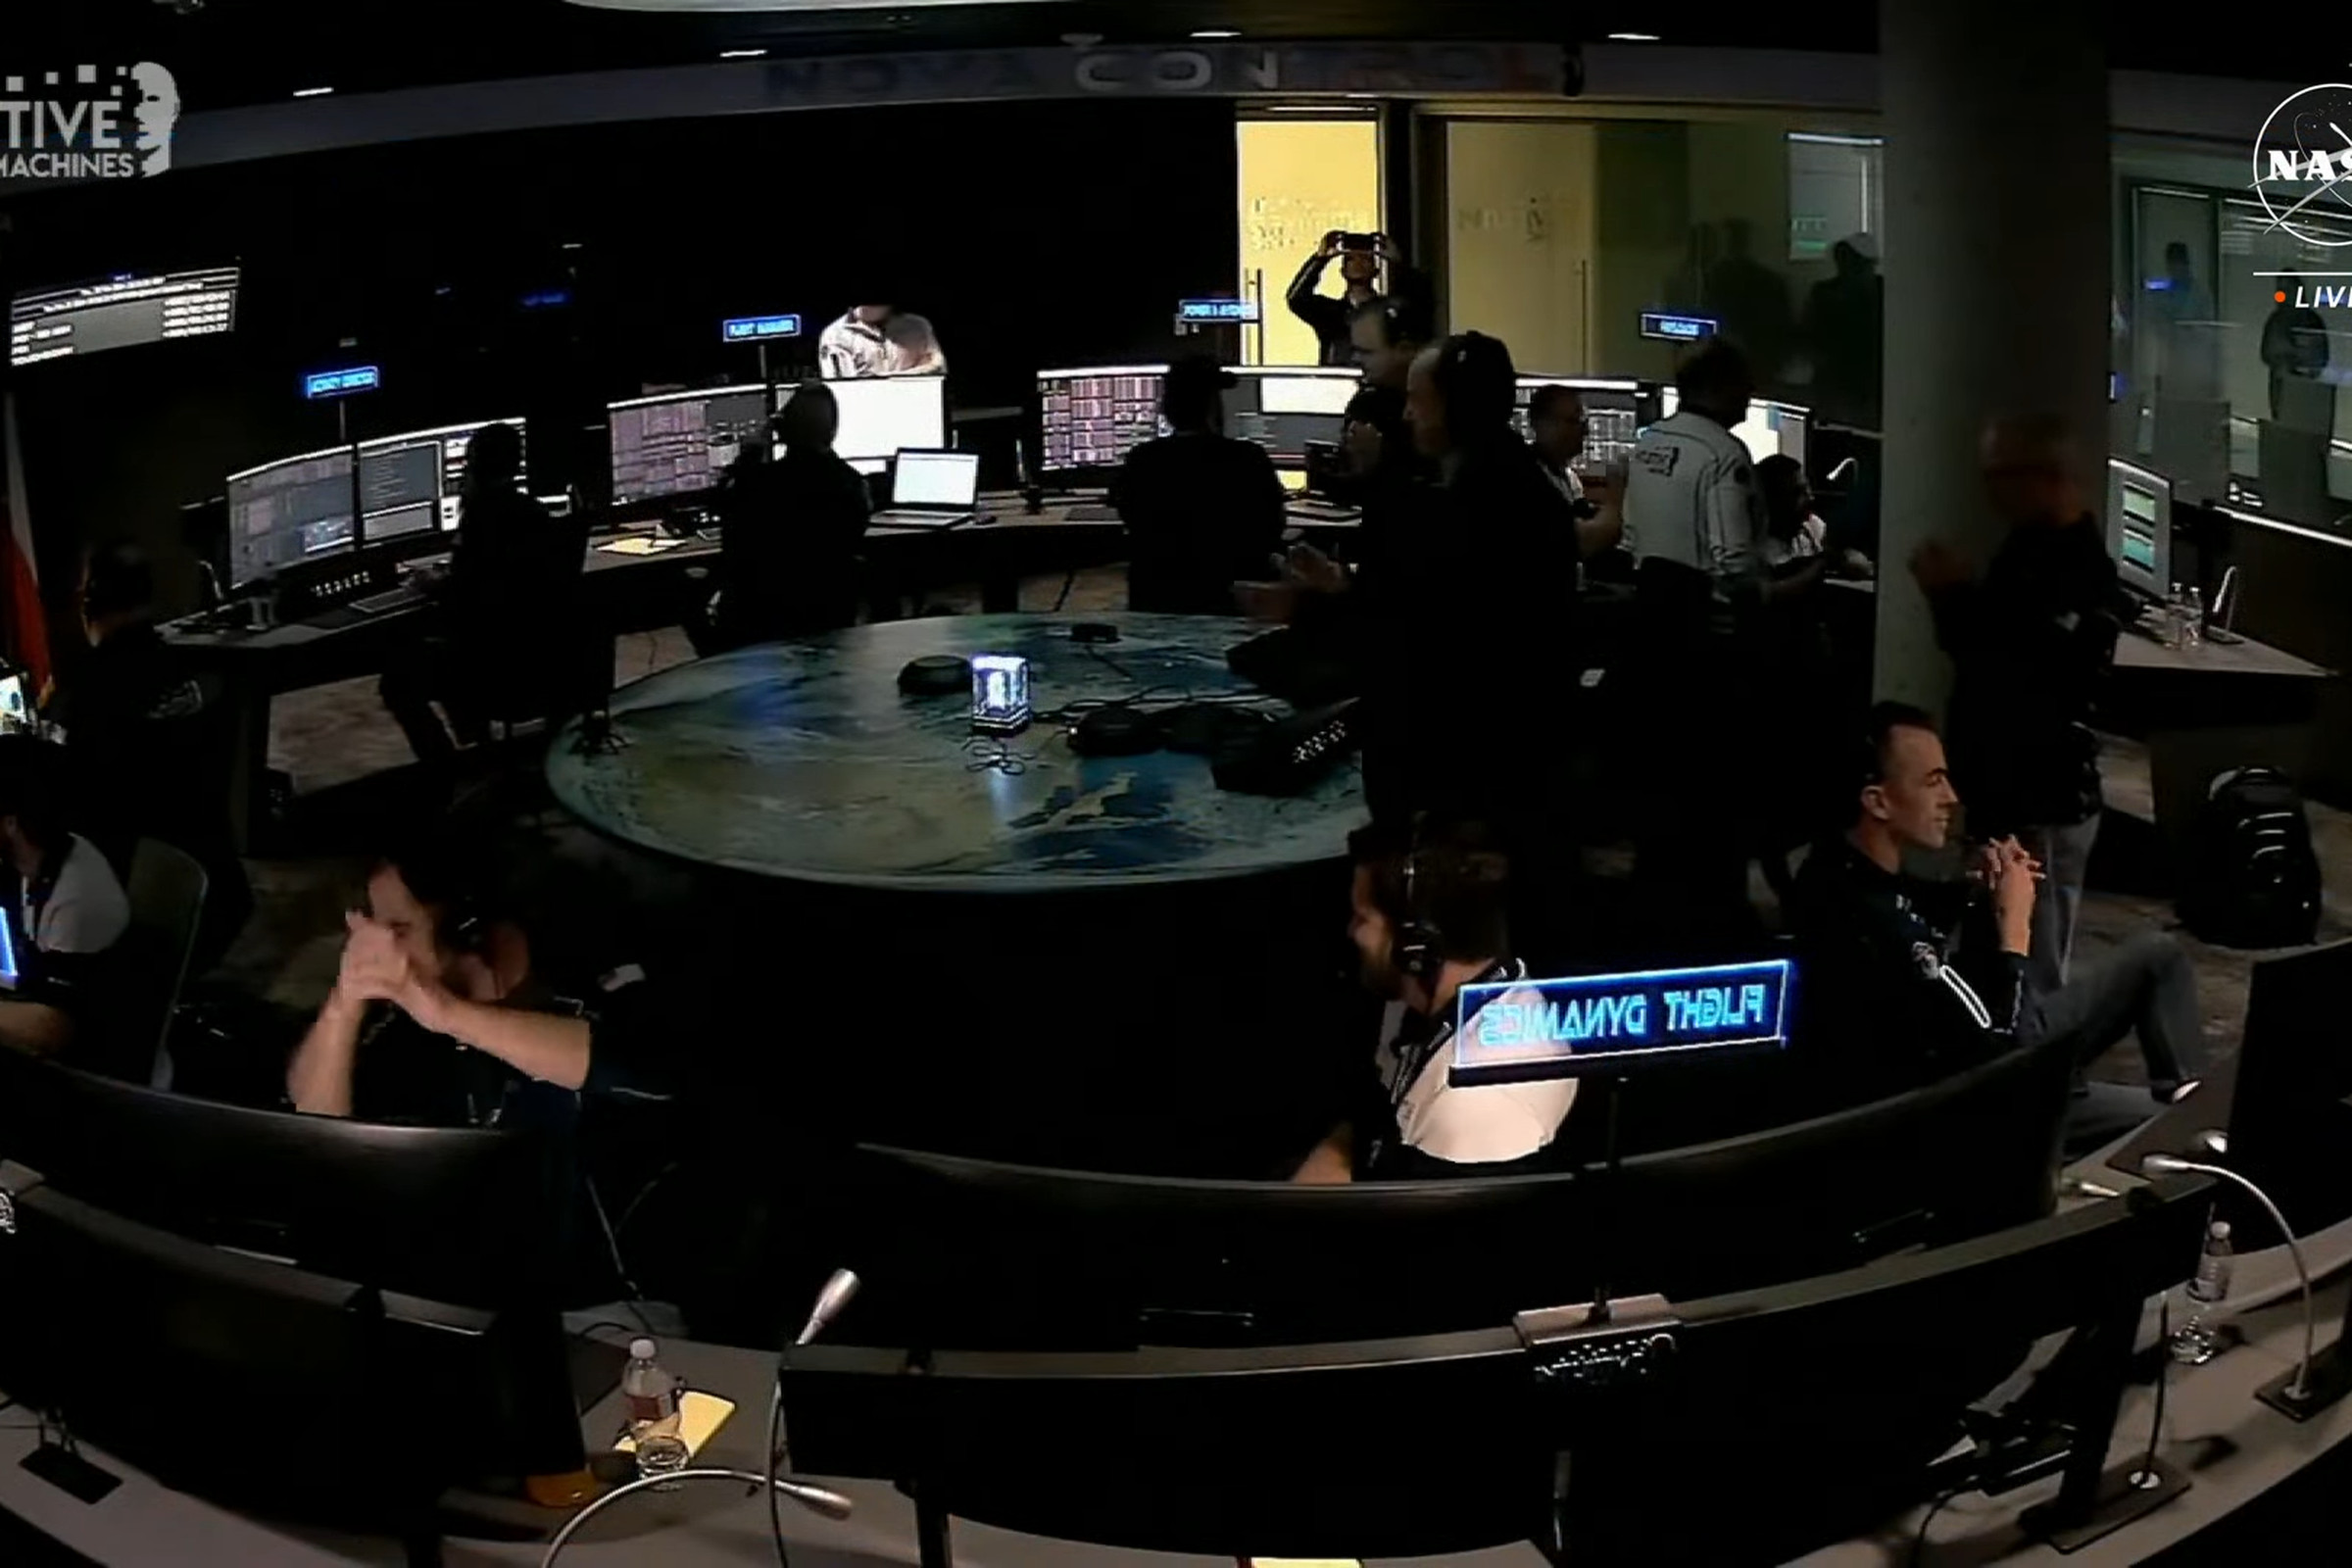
(1089, 419)
(320, 506)
(680, 444)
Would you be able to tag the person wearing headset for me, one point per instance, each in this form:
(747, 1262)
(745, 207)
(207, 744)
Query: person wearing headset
(439, 1016)
(1430, 916)
(1910, 981)
(64, 906)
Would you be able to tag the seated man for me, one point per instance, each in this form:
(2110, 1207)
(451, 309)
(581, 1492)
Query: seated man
(1428, 919)
(1203, 510)
(1906, 980)
(790, 531)
(439, 1017)
(64, 906)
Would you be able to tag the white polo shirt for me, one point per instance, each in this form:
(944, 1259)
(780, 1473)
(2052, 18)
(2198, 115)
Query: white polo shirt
(852, 349)
(1692, 498)
(1484, 1124)
(85, 911)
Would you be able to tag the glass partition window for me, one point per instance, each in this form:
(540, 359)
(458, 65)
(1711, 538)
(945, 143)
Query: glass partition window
(1301, 177)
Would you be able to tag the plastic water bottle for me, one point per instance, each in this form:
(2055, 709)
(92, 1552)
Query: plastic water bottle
(2197, 1341)
(2192, 618)
(653, 1401)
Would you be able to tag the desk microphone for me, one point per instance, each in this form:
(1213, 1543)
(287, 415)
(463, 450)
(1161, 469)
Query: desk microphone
(2298, 1390)
(1845, 471)
(839, 1291)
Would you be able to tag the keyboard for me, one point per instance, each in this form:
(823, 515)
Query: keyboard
(1093, 514)
(391, 599)
(921, 520)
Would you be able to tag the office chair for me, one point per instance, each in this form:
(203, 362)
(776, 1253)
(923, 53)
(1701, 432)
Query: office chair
(167, 891)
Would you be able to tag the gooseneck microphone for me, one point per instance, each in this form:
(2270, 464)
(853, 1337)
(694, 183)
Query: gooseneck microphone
(839, 1291)
(2174, 1165)
(831, 1505)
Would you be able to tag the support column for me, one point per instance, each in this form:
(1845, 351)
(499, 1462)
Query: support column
(1997, 269)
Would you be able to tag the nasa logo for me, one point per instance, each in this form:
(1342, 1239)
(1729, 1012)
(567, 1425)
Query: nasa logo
(2303, 165)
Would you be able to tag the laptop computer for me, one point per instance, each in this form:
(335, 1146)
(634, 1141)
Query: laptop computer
(932, 490)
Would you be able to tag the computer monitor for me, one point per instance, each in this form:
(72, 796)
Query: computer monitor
(1286, 409)
(2290, 1112)
(15, 710)
(968, 1252)
(455, 1214)
(883, 417)
(1088, 420)
(252, 1383)
(120, 312)
(681, 443)
(1617, 411)
(2139, 528)
(411, 483)
(1773, 430)
(290, 512)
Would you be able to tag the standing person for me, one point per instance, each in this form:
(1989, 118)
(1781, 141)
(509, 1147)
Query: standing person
(1467, 594)
(790, 531)
(1203, 510)
(1695, 521)
(146, 745)
(1430, 915)
(2029, 644)
(1555, 418)
(1844, 332)
(1752, 301)
(878, 340)
(2294, 347)
(1359, 270)
(507, 612)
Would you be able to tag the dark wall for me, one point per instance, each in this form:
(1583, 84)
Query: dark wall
(1030, 233)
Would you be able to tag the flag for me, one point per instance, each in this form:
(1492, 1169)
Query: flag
(24, 625)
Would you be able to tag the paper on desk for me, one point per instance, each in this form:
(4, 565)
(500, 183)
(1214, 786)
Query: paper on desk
(644, 543)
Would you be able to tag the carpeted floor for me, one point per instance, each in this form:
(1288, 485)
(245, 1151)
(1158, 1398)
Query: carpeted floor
(347, 761)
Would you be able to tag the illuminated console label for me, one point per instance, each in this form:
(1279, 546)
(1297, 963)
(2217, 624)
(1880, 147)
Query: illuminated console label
(341, 383)
(1205, 311)
(1670, 327)
(1527, 1030)
(757, 328)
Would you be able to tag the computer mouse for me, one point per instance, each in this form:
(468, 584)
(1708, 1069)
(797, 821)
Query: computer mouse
(1116, 731)
(936, 676)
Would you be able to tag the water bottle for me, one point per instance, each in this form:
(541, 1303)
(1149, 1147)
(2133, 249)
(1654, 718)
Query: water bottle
(652, 1395)
(2192, 618)
(2197, 1341)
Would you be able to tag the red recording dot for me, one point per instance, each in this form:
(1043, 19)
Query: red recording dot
(2281, 296)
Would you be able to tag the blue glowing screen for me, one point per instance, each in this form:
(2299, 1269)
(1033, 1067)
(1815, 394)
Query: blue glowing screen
(1673, 329)
(341, 383)
(1520, 1031)
(751, 329)
(1212, 311)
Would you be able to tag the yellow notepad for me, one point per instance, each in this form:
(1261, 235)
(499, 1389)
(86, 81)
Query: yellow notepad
(640, 544)
(699, 1416)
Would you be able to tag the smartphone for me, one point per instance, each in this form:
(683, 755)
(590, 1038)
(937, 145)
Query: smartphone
(1360, 242)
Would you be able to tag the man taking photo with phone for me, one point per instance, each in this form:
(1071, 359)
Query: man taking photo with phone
(1361, 256)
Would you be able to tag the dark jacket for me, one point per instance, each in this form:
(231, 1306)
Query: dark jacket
(1202, 512)
(514, 575)
(1465, 609)
(790, 532)
(143, 748)
(1879, 953)
(1331, 317)
(2029, 645)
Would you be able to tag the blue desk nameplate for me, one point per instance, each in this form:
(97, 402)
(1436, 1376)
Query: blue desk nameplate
(1527, 1031)
(755, 329)
(341, 383)
(1209, 312)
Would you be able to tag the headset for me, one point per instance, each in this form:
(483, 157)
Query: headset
(1420, 946)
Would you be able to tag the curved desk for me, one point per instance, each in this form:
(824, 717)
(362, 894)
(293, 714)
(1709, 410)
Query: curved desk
(805, 762)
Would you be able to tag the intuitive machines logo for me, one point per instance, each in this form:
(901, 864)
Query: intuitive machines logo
(88, 123)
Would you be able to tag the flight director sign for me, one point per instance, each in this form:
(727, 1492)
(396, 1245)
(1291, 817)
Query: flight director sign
(88, 122)
(1531, 1030)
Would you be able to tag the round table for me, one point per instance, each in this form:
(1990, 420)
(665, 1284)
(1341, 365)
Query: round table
(803, 760)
